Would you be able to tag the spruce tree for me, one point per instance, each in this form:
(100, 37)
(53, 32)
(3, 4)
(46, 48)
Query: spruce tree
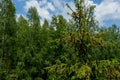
(8, 36)
(33, 17)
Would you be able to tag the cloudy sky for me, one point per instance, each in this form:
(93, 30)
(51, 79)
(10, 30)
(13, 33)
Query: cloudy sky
(107, 12)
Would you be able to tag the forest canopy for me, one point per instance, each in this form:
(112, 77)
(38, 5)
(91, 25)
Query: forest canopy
(78, 49)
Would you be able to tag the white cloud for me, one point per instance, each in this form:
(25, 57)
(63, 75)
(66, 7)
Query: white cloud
(67, 10)
(62, 9)
(42, 7)
(58, 7)
(89, 3)
(51, 7)
(107, 10)
(21, 0)
(58, 4)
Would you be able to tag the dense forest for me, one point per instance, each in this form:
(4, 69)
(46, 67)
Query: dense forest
(78, 49)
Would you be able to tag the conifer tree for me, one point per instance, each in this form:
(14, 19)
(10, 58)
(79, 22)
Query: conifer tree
(8, 36)
(33, 17)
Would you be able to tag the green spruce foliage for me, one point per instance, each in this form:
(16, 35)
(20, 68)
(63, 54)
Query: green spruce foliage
(78, 49)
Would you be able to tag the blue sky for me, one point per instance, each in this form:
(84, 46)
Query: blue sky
(107, 12)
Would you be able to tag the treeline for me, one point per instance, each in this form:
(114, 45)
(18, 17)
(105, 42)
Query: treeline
(78, 49)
